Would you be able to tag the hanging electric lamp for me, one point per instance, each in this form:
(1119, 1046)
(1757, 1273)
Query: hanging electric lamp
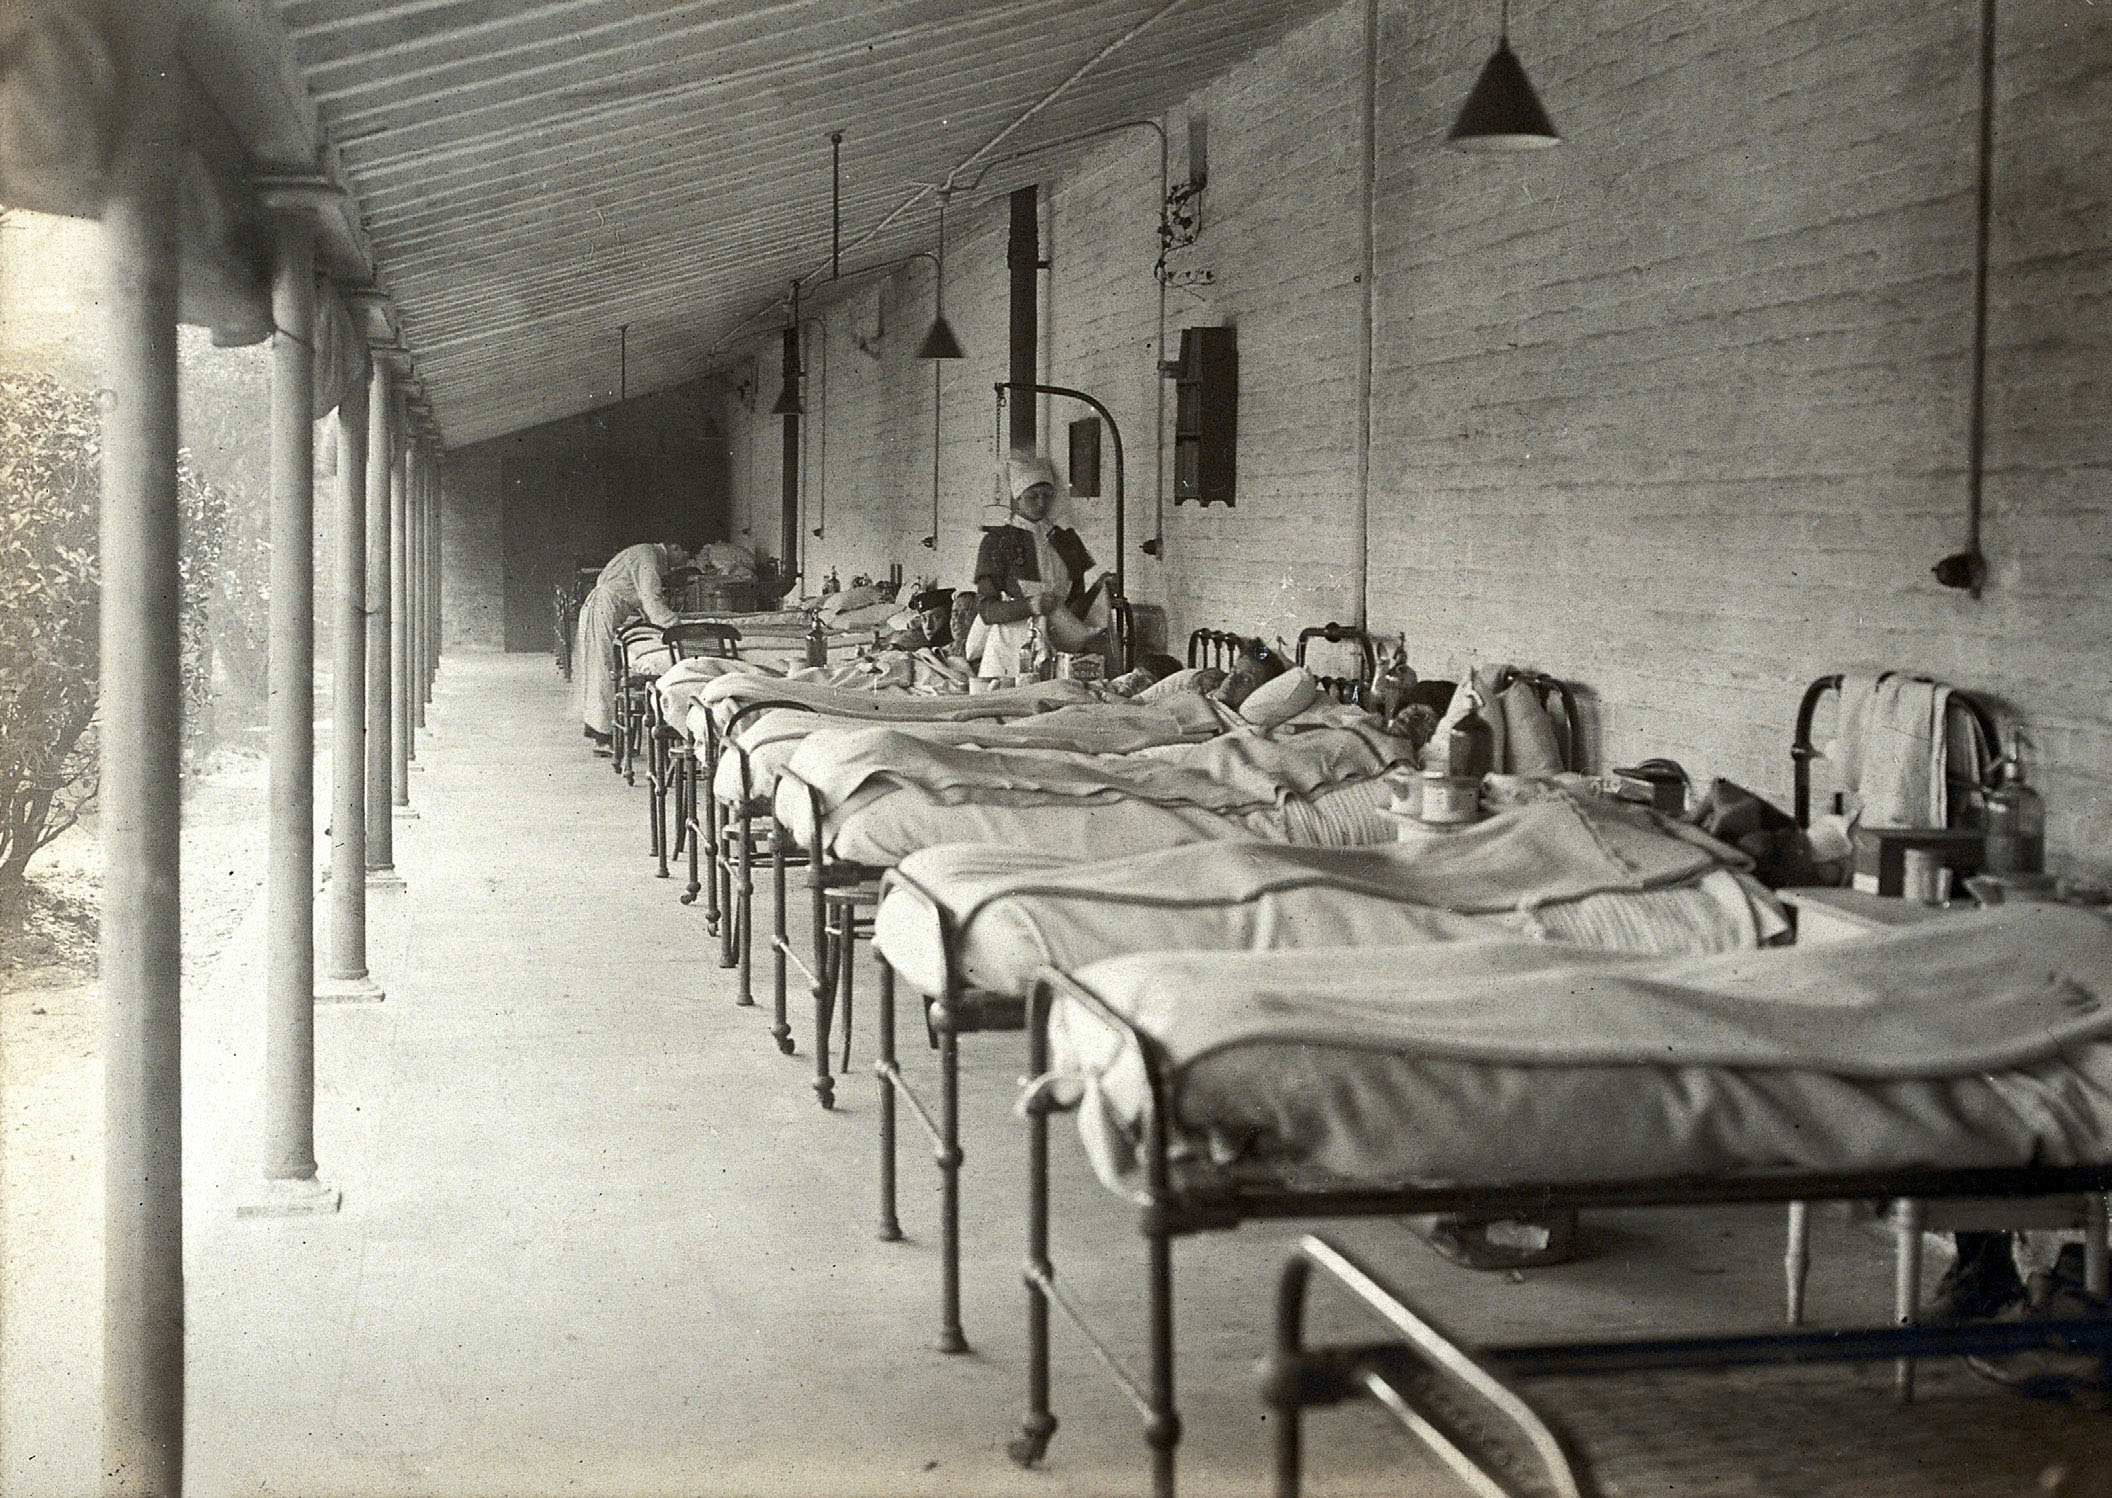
(1503, 113)
(788, 401)
(940, 343)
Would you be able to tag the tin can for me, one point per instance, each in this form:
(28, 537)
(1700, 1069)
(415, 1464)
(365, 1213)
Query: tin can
(1450, 799)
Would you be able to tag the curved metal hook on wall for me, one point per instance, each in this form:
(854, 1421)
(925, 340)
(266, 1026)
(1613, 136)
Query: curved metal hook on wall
(1114, 432)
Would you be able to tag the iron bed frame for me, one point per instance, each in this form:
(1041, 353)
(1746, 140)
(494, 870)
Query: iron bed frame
(1399, 1372)
(663, 739)
(838, 891)
(1178, 1203)
(961, 1009)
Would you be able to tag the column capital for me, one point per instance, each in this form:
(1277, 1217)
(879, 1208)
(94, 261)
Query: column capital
(377, 312)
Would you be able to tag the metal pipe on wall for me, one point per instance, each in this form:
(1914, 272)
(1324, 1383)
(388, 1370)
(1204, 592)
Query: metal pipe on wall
(1023, 260)
(1367, 324)
(788, 516)
(142, 716)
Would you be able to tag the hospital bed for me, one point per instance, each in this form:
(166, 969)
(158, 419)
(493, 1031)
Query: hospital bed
(730, 824)
(968, 925)
(1969, 1056)
(859, 837)
(729, 775)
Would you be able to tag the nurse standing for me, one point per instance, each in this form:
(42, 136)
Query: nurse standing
(633, 583)
(1034, 568)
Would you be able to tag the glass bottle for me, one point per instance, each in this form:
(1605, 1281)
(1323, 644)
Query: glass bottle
(2015, 818)
(1471, 749)
(817, 642)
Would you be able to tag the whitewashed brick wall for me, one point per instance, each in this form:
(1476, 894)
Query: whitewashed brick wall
(1676, 411)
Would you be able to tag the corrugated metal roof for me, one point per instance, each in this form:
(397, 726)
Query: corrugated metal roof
(532, 174)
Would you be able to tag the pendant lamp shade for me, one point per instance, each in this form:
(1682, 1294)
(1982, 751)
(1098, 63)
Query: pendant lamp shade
(940, 342)
(1503, 113)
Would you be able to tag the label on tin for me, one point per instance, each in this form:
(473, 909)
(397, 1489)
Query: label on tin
(1450, 798)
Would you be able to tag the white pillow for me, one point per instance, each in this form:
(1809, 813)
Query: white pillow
(1280, 698)
(1188, 679)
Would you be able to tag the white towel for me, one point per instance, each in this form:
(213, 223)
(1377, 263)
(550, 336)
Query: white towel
(1891, 749)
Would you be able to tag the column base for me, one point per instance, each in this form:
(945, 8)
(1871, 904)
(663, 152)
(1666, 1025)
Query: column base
(349, 991)
(405, 813)
(309, 1198)
(417, 768)
(386, 878)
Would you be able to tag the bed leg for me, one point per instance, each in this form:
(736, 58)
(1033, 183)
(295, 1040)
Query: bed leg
(1796, 1261)
(1162, 1427)
(1906, 1285)
(656, 798)
(951, 1338)
(722, 892)
(1280, 1377)
(824, 1006)
(708, 838)
(1039, 1426)
(744, 914)
(884, 1069)
(2096, 1270)
(693, 835)
(780, 1026)
(846, 970)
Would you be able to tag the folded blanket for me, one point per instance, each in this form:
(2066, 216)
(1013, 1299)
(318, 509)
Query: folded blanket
(1238, 771)
(1552, 851)
(1971, 993)
(729, 692)
(1086, 728)
(683, 682)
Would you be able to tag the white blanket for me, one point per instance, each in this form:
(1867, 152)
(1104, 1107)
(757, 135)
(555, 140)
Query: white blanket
(1597, 874)
(1980, 1039)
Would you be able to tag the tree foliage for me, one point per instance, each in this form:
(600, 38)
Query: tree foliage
(50, 446)
(50, 580)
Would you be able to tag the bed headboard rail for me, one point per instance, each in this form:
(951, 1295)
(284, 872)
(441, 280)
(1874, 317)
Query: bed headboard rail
(1963, 705)
(1216, 648)
(1348, 689)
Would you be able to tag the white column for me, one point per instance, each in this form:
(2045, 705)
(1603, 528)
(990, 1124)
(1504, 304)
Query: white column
(288, 1162)
(142, 713)
(347, 979)
(381, 455)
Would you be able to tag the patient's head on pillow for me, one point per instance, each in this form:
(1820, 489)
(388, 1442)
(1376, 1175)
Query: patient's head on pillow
(1255, 665)
(1160, 666)
(1280, 698)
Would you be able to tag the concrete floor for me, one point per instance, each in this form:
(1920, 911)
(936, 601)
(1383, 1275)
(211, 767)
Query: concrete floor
(598, 1238)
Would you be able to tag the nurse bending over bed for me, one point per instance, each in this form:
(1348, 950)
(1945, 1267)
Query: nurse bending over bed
(1034, 569)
